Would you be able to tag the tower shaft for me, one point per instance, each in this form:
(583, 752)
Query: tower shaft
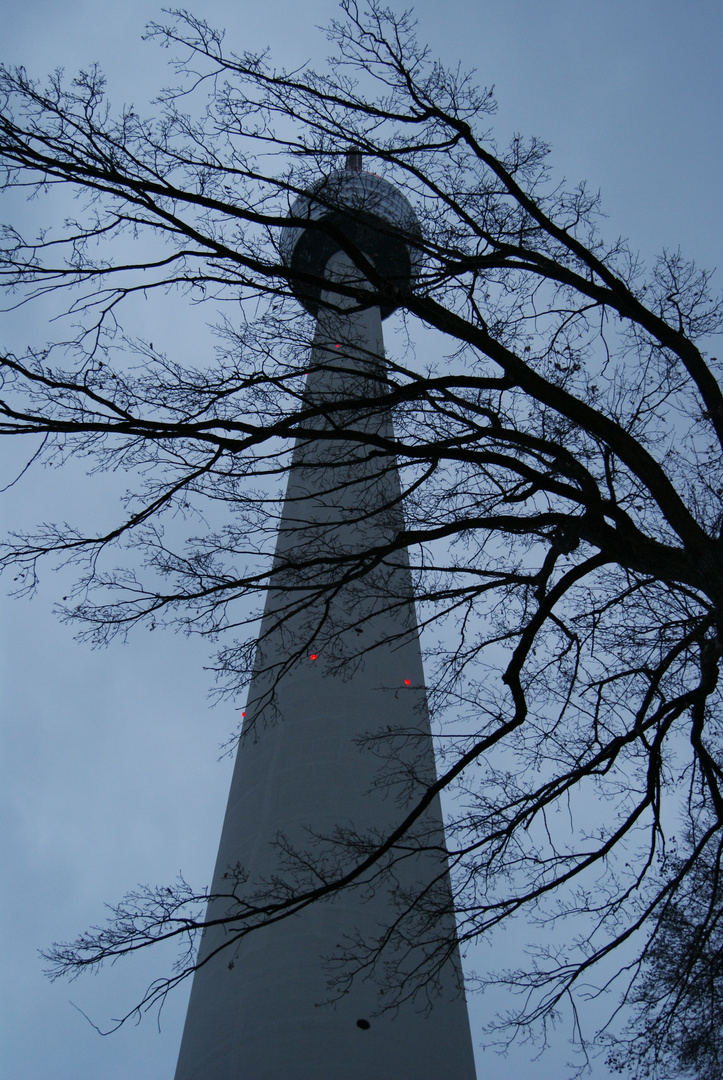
(335, 752)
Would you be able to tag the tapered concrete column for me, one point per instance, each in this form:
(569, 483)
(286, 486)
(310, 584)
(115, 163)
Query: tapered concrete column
(336, 749)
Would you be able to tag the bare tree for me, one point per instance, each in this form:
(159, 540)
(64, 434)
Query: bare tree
(562, 463)
(677, 1013)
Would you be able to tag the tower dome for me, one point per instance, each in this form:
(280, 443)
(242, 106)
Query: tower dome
(374, 216)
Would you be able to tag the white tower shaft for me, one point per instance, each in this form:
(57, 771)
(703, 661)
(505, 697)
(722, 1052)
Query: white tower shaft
(336, 750)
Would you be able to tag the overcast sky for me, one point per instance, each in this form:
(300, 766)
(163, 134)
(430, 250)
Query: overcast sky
(109, 760)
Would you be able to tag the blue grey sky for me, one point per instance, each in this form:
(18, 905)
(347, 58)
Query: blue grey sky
(109, 759)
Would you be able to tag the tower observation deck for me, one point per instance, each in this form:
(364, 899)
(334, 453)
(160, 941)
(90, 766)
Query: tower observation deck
(336, 748)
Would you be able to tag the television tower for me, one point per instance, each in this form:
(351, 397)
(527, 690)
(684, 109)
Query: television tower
(336, 748)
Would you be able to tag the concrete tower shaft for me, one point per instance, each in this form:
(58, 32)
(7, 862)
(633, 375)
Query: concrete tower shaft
(335, 751)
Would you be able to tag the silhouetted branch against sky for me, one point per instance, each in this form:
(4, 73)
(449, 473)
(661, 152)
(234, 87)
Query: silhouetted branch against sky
(558, 427)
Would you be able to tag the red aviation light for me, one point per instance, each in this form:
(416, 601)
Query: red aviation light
(407, 682)
(242, 715)
(313, 656)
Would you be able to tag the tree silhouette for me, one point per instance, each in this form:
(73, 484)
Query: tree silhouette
(560, 459)
(678, 1000)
